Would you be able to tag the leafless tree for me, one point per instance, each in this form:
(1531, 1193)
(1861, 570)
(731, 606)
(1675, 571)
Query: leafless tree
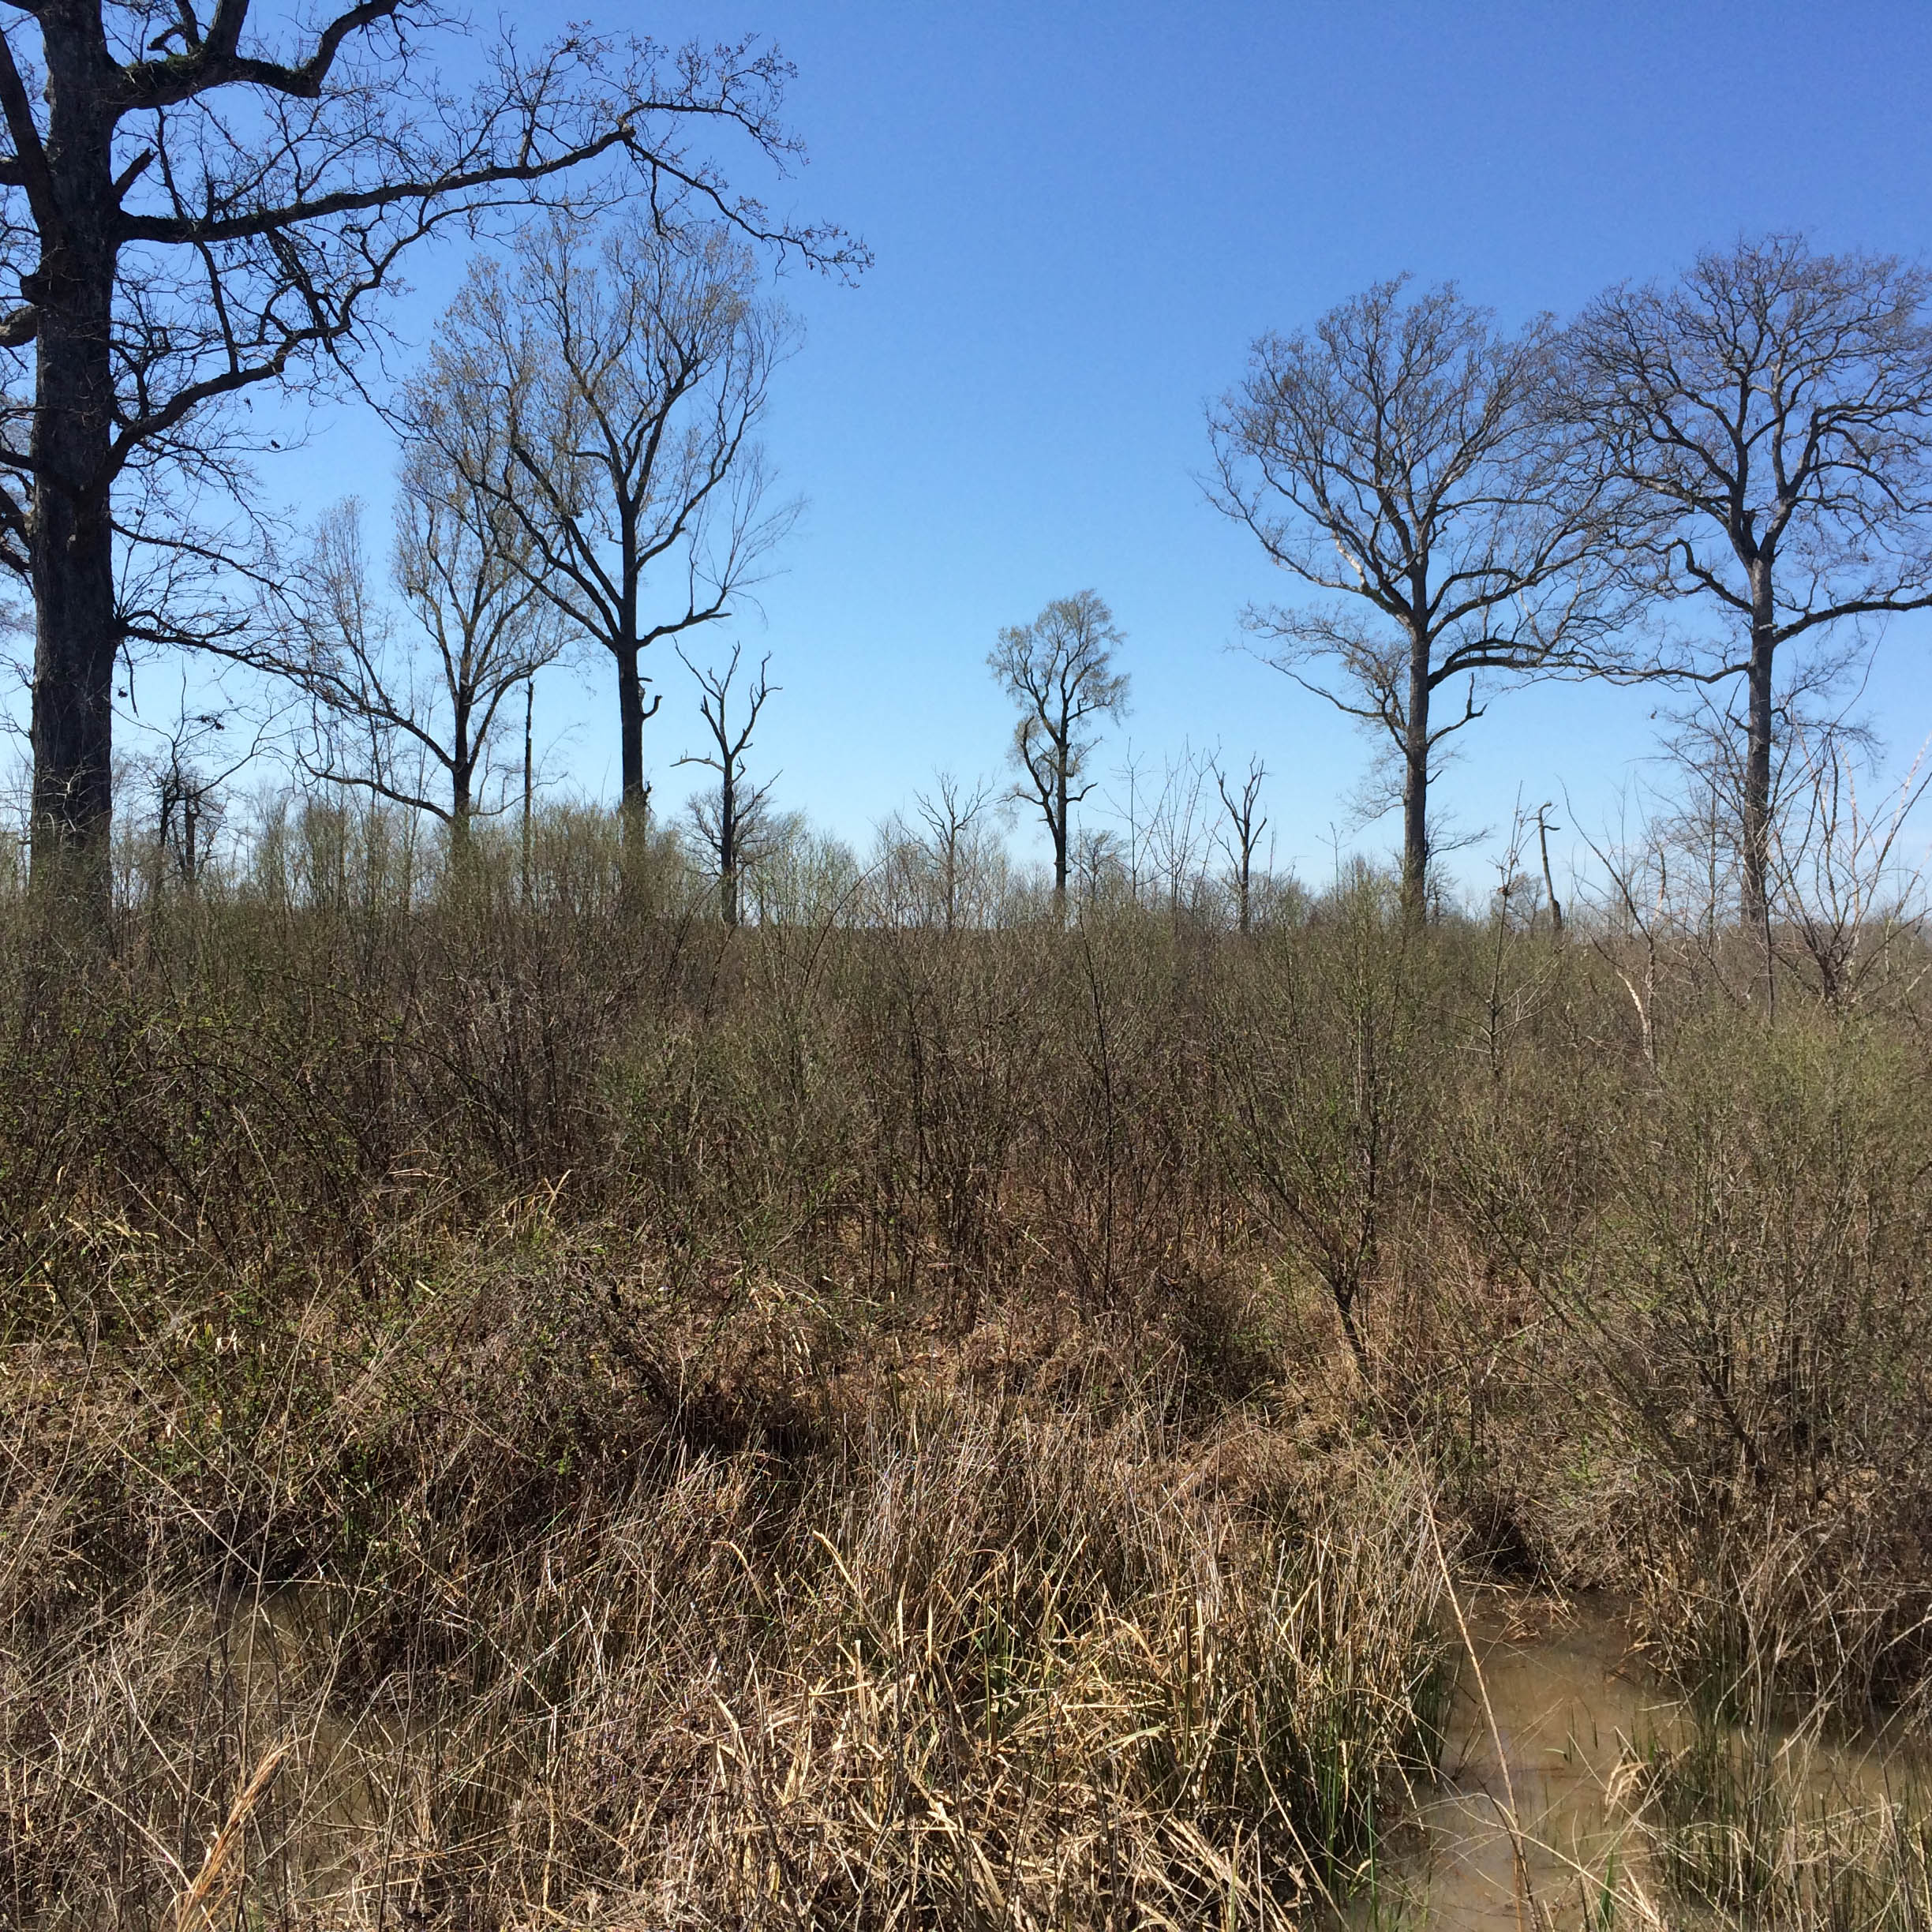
(197, 203)
(1400, 455)
(1059, 670)
(1100, 872)
(1635, 916)
(950, 813)
(622, 371)
(480, 629)
(526, 822)
(1773, 408)
(1132, 780)
(183, 799)
(1544, 829)
(188, 793)
(1844, 887)
(1845, 890)
(1177, 831)
(731, 824)
(1242, 804)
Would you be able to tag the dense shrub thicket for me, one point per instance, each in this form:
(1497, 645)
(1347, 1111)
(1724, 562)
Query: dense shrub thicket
(580, 1410)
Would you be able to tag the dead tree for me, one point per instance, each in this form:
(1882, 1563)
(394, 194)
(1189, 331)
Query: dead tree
(731, 825)
(527, 823)
(1059, 670)
(949, 812)
(197, 204)
(1544, 829)
(1178, 830)
(1772, 408)
(1402, 456)
(1851, 894)
(1245, 825)
(186, 796)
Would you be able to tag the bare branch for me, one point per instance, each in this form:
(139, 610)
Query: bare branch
(214, 214)
(616, 384)
(1772, 410)
(1059, 670)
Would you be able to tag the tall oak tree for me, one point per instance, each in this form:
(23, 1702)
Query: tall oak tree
(1772, 409)
(1402, 456)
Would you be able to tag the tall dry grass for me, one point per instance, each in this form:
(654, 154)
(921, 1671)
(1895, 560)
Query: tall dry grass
(929, 1650)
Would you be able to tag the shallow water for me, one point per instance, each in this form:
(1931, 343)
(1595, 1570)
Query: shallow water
(1529, 1825)
(1567, 1702)
(337, 1812)
(1532, 1822)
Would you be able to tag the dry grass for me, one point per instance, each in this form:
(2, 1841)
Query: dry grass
(966, 1659)
(1761, 1824)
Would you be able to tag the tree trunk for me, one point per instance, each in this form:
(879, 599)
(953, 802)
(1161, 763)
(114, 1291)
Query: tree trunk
(461, 846)
(1060, 836)
(728, 842)
(1549, 879)
(463, 778)
(633, 796)
(1415, 787)
(71, 546)
(1757, 800)
(631, 741)
(530, 776)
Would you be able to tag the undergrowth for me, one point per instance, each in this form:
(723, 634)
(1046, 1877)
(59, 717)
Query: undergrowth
(549, 1411)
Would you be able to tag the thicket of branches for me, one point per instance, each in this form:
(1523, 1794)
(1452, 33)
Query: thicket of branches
(497, 1352)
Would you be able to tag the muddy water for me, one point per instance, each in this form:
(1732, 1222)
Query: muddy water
(1530, 1820)
(339, 1812)
(1566, 1703)
(1533, 1821)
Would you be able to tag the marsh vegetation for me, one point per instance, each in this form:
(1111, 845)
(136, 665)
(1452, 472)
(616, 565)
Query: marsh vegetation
(554, 1409)
(561, 1367)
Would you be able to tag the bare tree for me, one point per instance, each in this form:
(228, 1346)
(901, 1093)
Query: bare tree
(1178, 830)
(1544, 829)
(950, 813)
(1101, 873)
(1400, 455)
(1132, 777)
(1847, 894)
(1773, 408)
(527, 820)
(730, 826)
(192, 212)
(480, 626)
(1242, 804)
(1059, 670)
(623, 372)
(188, 802)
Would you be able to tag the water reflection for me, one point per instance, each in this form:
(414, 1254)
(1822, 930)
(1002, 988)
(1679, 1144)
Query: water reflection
(1560, 1742)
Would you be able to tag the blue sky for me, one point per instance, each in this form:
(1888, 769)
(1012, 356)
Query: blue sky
(1082, 214)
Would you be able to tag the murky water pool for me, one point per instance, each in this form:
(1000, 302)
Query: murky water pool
(1534, 1826)
(1534, 1823)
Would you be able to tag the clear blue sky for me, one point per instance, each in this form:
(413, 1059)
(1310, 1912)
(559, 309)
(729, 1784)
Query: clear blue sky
(1081, 214)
